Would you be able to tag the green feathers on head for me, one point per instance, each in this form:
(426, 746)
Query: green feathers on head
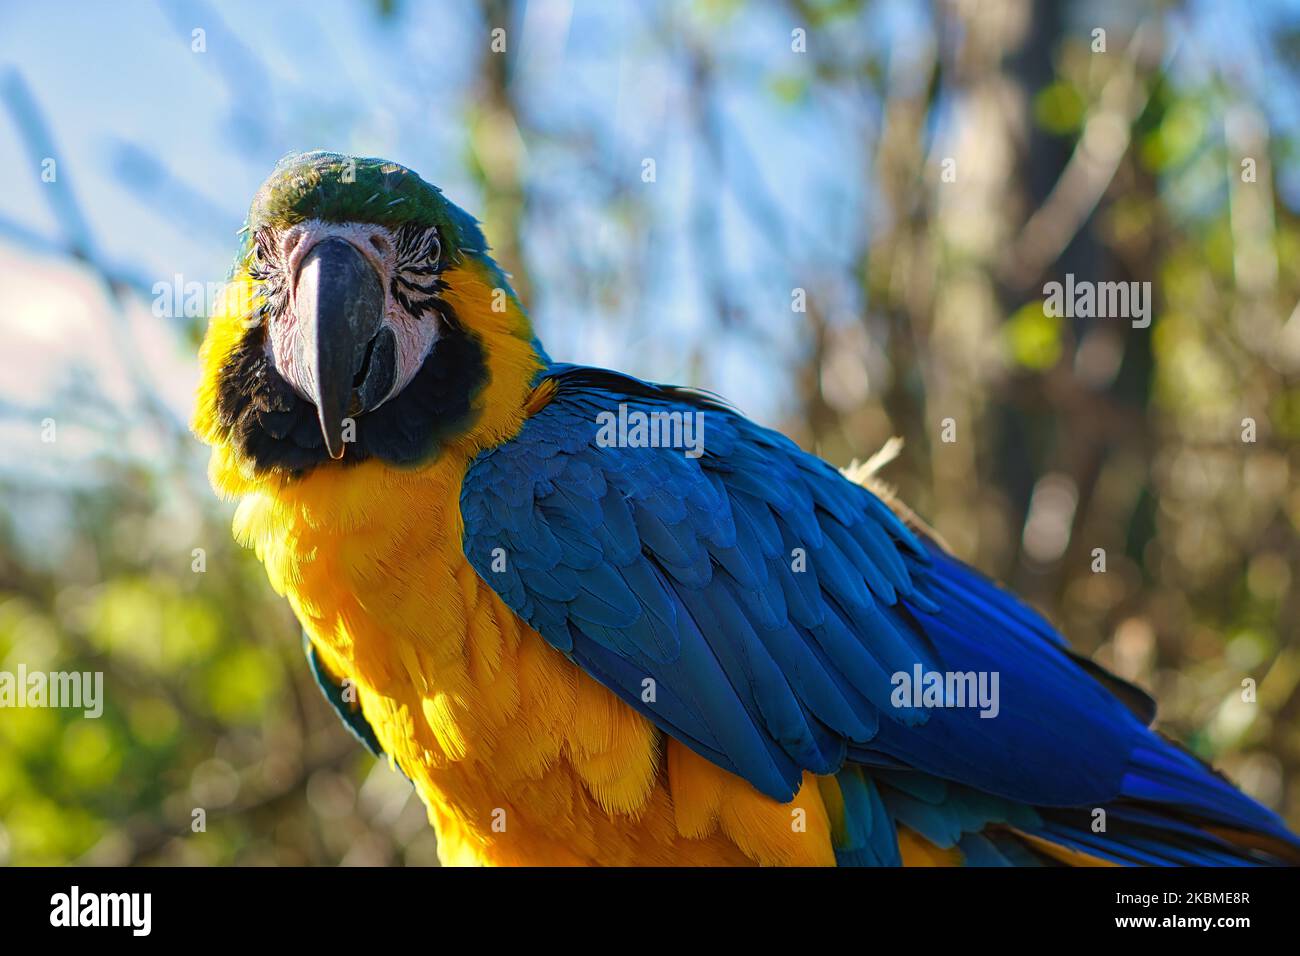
(339, 188)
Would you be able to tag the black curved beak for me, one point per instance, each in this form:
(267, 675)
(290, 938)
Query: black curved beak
(339, 301)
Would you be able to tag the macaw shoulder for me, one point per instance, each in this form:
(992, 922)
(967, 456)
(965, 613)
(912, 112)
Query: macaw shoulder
(720, 580)
(758, 605)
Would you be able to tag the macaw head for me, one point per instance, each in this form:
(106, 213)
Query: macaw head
(364, 320)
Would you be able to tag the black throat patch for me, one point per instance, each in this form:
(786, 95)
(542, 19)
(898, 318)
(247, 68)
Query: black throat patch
(275, 428)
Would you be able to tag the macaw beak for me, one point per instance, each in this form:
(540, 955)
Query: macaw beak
(344, 347)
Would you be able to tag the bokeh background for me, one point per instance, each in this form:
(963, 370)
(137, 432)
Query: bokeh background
(797, 145)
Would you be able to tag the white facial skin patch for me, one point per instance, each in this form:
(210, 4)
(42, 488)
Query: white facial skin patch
(415, 335)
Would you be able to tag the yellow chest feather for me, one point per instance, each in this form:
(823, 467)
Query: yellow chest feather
(519, 755)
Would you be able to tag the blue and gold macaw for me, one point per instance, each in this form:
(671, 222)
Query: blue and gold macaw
(584, 647)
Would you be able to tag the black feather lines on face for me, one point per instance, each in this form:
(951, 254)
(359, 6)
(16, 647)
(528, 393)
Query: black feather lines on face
(268, 269)
(417, 278)
(277, 429)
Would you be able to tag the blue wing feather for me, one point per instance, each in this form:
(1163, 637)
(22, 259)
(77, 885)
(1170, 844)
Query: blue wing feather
(686, 571)
(772, 601)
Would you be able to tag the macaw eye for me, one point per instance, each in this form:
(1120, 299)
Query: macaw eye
(264, 245)
(268, 270)
(418, 249)
(416, 283)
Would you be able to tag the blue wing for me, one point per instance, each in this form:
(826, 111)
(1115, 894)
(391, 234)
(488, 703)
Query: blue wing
(757, 605)
(348, 710)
